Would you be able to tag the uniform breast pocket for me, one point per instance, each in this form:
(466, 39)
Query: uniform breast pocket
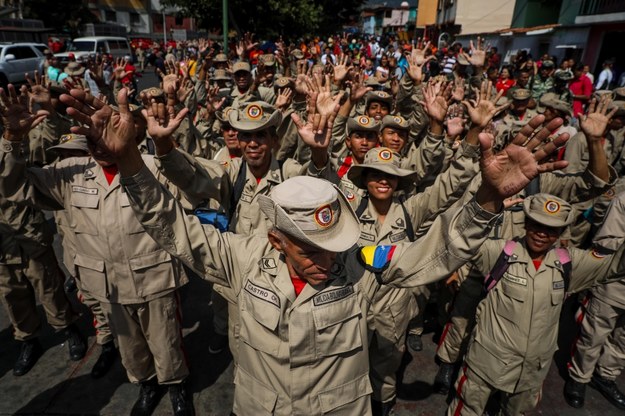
(259, 321)
(338, 327)
(512, 292)
(90, 272)
(153, 272)
(84, 214)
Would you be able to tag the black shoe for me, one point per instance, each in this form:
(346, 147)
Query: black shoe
(181, 400)
(70, 285)
(609, 390)
(105, 360)
(574, 393)
(29, 354)
(76, 343)
(382, 409)
(415, 343)
(217, 343)
(150, 394)
(444, 378)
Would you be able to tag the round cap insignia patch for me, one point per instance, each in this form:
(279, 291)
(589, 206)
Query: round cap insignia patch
(364, 120)
(254, 111)
(324, 215)
(385, 155)
(552, 207)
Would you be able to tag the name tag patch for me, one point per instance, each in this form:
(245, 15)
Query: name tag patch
(514, 279)
(262, 293)
(366, 236)
(398, 237)
(331, 296)
(83, 190)
(558, 285)
(247, 198)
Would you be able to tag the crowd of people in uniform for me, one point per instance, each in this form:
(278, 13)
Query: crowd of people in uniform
(328, 199)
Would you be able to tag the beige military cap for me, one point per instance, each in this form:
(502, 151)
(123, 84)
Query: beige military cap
(241, 66)
(362, 123)
(462, 60)
(74, 69)
(268, 59)
(396, 122)
(548, 210)
(620, 93)
(551, 100)
(72, 142)
(220, 57)
(620, 105)
(521, 94)
(312, 211)
(283, 82)
(255, 116)
(384, 160)
(220, 75)
(600, 93)
(373, 82)
(378, 96)
(222, 115)
(297, 53)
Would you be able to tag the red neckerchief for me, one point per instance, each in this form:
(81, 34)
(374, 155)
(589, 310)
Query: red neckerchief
(537, 263)
(110, 172)
(347, 163)
(298, 284)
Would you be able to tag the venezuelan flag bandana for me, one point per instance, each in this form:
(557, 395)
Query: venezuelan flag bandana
(376, 258)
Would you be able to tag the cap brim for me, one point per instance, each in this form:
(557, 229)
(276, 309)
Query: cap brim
(71, 146)
(406, 177)
(340, 237)
(546, 219)
(248, 126)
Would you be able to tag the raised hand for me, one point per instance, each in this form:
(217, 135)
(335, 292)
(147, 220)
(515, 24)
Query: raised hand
(357, 88)
(417, 60)
(326, 106)
(39, 91)
(341, 68)
(457, 92)
(171, 80)
(284, 99)
(109, 132)
(434, 102)
(484, 107)
(508, 172)
(478, 53)
(455, 126)
(119, 71)
(17, 116)
(595, 122)
(162, 118)
(213, 102)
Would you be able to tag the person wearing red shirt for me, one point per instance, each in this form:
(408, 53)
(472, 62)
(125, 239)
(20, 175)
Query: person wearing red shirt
(505, 82)
(581, 89)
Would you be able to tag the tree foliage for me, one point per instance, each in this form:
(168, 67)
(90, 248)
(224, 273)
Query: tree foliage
(272, 18)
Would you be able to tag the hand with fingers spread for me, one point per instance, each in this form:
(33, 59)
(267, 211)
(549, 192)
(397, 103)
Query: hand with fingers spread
(341, 69)
(434, 102)
(508, 172)
(326, 106)
(457, 92)
(119, 70)
(162, 120)
(213, 101)
(455, 126)
(184, 90)
(110, 132)
(484, 107)
(171, 79)
(595, 122)
(284, 99)
(39, 91)
(417, 60)
(17, 116)
(478, 53)
(357, 88)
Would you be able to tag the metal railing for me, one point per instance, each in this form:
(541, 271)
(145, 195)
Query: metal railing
(591, 7)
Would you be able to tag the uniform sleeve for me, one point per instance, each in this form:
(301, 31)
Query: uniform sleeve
(199, 179)
(427, 157)
(612, 234)
(454, 238)
(39, 187)
(591, 267)
(200, 247)
(576, 153)
(576, 187)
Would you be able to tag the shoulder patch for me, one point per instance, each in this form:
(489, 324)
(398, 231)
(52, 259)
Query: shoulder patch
(268, 263)
(596, 254)
(377, 258)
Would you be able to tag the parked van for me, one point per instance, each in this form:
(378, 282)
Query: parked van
(92, 45)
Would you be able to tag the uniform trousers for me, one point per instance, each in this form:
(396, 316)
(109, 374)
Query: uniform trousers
(601, 344)
(103, 332)
(150, 339)
(22, 284)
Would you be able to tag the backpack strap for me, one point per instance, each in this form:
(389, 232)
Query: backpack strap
(500, 267)
(409, 227)
(565, 260)
(364, 201)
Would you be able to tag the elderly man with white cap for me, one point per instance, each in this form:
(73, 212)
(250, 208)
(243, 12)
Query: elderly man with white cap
(302, 307)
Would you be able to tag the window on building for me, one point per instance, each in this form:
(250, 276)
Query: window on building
(110, 16)
(135, 19)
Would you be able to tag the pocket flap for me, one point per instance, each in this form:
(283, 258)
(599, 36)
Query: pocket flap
(336, 311)
(255, 390)
(84, 200)
(148, 260)
(89, 262)
(338, 396)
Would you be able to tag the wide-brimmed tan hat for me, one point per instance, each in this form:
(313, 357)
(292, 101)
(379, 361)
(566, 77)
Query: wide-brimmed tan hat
(255, 116)
(362, 123)
(619, 93)
(396, 122)
(620, 105)
(220, 58)
(384, 160)
(220, 75)
(521, 94)
(313, 211)
(297, 53)
(72, 142)
(241, 66)
(222, 115)
(74, 69)
(548, 210)
(551, 100)
(154, 92)
(378, 96)
(268, 59)
(283, 82)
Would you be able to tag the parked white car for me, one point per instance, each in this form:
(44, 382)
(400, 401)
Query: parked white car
(82, 48)
(17, 59)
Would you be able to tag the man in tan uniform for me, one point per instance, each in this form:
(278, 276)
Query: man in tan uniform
(599, 353)
(516, 328)
(134, 279)
(302, 307)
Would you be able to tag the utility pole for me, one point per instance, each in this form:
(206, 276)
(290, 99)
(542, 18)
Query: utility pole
(224, 19)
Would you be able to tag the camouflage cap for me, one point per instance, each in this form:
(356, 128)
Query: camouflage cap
(362, 123)
(396, 122)
(521, 94)
(384, 160)
(548, 210)
(564, 76)
(254, 116)
(313, 211)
